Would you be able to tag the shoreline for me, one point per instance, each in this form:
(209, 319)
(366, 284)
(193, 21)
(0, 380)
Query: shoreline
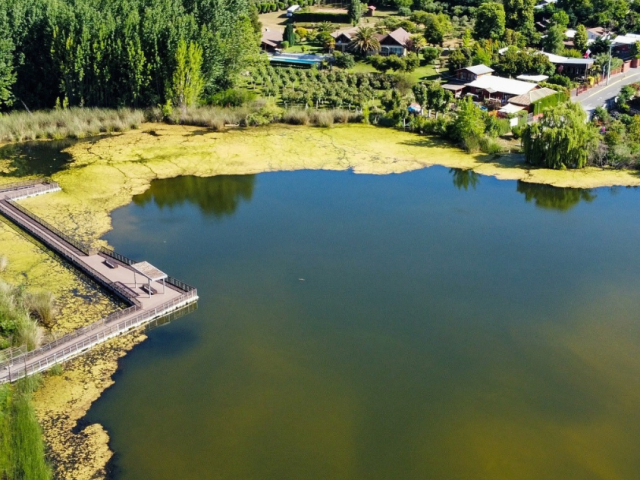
(105, 174)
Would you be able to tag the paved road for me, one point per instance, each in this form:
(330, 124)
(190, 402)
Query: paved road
(598, 96)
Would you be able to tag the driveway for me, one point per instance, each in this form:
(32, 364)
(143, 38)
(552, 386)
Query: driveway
(598, 96)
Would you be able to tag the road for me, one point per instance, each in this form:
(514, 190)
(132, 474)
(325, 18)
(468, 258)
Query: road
(598, 96)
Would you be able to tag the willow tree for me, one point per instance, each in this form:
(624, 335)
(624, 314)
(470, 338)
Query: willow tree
(188, 82)
(562, 139)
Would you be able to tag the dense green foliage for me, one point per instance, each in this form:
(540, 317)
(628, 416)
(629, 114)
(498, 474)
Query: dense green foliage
(436, 26)
(431, 96)
(112, 53)
(490, 21)
(519, 15)
(548, 102)
(515, 62)
(562, 139)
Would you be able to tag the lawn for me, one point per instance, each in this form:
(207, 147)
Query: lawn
(305, 48)
(425, 72)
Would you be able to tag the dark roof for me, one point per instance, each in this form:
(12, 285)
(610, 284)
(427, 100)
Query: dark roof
(347, 33)
(399, 36)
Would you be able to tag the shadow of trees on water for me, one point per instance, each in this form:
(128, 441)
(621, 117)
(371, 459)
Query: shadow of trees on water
(217, 196)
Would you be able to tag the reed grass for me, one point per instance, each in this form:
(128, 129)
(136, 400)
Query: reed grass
(78, 123)
(42, 305)
(22, 452)
(28, 332)
(67, 123)
(22, 315)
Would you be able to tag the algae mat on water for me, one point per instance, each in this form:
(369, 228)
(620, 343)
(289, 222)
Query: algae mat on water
(107, 172)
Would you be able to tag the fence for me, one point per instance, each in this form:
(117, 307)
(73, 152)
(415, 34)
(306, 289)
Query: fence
(23, 184)
(82, 247)
(127, 261)
(25, 363)
(602, 78)
(21, 368)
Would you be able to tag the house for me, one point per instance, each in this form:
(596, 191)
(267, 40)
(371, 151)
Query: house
(592, 35)
(271, 40)
(526, 100)
(343, 39)
(457, 89)
(395, 43)
(469, 74)
(571, 67)
(491, 87)
(371, 11)
(544, 3)
(623, 45)
(533, 78)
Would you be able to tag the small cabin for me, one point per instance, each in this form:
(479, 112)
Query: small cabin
(470, 74)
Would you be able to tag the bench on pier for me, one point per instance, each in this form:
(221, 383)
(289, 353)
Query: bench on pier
(110, 264)
(148, 290)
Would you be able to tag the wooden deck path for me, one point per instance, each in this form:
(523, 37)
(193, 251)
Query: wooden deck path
(99, 266)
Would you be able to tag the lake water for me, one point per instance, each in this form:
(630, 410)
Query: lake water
(428, 325)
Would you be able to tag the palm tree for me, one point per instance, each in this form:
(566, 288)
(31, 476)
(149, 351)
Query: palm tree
(365, 41)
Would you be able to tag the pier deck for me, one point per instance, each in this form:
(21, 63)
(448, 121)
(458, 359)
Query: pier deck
(109, 269)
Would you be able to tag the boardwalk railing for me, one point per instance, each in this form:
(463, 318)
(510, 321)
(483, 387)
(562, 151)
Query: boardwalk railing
(83, 247)
(127, 261)
(123, 293)
(6, 187)
(20, 368)
(74, 343)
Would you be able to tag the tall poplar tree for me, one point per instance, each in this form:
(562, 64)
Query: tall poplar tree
(187, 84)
(7, 72)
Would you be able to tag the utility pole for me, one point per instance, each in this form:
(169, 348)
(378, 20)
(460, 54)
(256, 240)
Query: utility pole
(609, 68)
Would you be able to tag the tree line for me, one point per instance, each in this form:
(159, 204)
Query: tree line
(114, 53)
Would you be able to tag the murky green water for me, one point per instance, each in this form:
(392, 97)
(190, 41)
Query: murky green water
(429, 325)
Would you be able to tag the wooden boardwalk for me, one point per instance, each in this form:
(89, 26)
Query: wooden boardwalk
(114, 272)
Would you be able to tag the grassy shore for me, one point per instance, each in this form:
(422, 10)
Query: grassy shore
(86, 122)
(22, 452)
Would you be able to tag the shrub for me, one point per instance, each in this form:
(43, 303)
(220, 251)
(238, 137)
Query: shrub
(430, 54)
(497, 126)
(42, 305)
(490, 146)
(344, 60)
(296, 116)
(231, 98)
(558, 79)
(322, 118)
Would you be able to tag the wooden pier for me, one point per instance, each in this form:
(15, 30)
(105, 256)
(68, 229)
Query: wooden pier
(155, 297)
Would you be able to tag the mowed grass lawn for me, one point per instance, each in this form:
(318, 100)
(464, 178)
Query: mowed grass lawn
(424, 72)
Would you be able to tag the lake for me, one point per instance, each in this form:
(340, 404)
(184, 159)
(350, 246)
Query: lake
(427, 325)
